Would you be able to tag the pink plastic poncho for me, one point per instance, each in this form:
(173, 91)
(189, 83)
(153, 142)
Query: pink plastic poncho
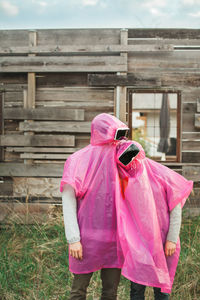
(123, 212)
(92, 173)
(148, 192)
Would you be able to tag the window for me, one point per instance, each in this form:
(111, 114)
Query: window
(154, 117)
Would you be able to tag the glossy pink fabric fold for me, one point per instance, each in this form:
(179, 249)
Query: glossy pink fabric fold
(150, 192)
(123, 212)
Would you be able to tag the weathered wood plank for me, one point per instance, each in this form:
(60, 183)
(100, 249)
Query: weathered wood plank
(191, 145)
(41, 150)
(122, 80)
(12, 157)
(63, 64)
(101, 106)
(191, 157)
(22, 170)
(95, 36)
(9, 38)
(36, 187)
(191, 172)
(74, 94)
(197, 121)
(189, 135)
(48, 113)
(55, 126)
(61, 79)
(198, 105)
(13, 96)
(168, 60)
(189, 107)
(86, 49)
(164, 41)
(37, 140)
(188, 122)
(177, 33)
(6, 186)
(43, 156)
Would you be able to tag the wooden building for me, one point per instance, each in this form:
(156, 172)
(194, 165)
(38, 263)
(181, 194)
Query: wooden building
(52, 84)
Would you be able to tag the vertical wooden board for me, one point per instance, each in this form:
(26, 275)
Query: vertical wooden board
(45, 187)
(78, 36)
(197, 121)
(198, 105)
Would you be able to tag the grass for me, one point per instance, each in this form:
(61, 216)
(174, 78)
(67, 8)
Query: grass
(34, 264)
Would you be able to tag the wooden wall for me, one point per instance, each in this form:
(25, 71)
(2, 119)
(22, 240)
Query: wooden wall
(53, 82)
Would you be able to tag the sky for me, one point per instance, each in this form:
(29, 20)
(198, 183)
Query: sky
(40, 14)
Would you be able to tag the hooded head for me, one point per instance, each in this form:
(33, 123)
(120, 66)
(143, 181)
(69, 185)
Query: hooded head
(129, 155)
(104, 127)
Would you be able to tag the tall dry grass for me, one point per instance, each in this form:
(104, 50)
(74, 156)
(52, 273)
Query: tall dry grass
(34, 264)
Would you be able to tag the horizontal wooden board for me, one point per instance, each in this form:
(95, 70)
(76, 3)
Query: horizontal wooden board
(11, 156)
(190, 135)
(54, 156)
(6, 186)
(86, 49)
(191, 145)
(63, 64)
(90, 106)
(188, 124)
(164, 41)
(13, 96)
(167, 60)
(37, 140)
(197, 121)
(97, 36)
(191, 172)
(22, 170)
(122, 80)
(189, 107)
(61, 79)
(190, 94)
(40, 150)
(168, 33)
(191, 157)
(48, 113)
(45, 126)
(9, 38)
(78, 94)
(37, 187)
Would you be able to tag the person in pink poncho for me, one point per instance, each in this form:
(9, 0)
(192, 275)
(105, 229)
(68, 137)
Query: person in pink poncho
(117, 208)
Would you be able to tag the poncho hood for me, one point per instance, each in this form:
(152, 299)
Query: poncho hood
(135, 165)
(103, 129)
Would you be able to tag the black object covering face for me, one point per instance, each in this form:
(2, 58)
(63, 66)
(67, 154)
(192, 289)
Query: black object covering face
(129, 154)
(121, 133)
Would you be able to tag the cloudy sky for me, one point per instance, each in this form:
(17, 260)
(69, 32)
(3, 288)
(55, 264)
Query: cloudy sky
(16, 14)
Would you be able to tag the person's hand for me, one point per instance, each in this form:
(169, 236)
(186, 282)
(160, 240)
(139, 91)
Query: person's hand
(76, 250)
(170, 248)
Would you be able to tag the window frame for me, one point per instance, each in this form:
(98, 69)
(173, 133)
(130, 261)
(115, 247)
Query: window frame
(157, 91)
